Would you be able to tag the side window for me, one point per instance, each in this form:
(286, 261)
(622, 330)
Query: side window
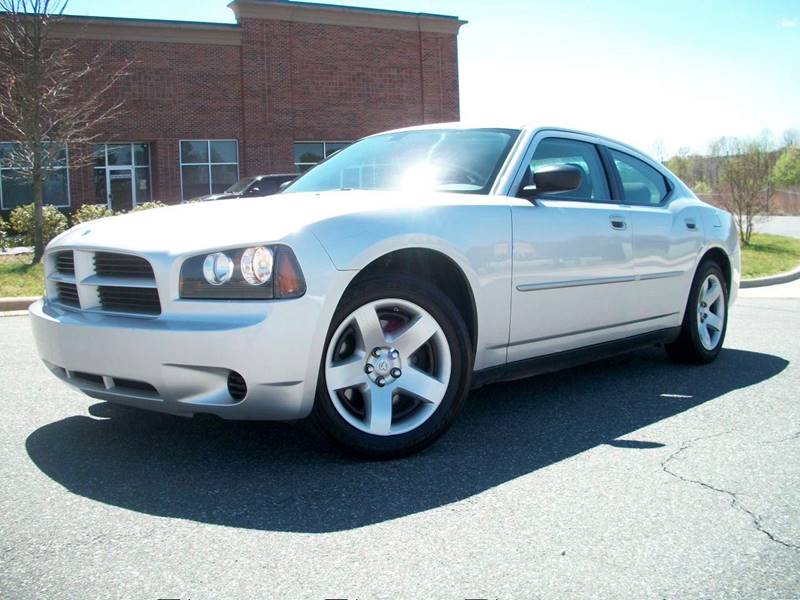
(641, 183)
(255, 189)
(268, 187)
(558, 151)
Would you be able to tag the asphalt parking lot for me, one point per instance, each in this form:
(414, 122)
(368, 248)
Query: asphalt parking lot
(632, 477)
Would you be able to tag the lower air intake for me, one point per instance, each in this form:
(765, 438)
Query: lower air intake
(237, 387)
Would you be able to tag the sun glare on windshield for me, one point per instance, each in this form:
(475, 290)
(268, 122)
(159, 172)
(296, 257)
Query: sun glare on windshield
(452, 160)
(420, 177)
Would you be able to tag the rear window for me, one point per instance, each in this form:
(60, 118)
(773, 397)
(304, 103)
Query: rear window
(641, 183)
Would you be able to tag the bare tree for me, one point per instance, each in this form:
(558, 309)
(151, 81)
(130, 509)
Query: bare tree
(791, 138)
(746, 169)
(50, 97)
(681, 165)
(659, 151)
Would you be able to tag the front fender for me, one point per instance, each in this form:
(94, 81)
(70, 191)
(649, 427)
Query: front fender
(476, 238)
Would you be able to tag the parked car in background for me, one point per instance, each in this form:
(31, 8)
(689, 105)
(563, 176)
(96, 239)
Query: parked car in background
(385, 283)
(252, 187)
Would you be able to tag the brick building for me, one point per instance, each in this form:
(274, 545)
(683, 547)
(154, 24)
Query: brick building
(287, 84)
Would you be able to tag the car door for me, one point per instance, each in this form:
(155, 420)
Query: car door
(667, 239)
(573, 268)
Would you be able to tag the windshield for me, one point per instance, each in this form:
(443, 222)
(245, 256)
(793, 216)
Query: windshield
(240, 186)
(447, 160)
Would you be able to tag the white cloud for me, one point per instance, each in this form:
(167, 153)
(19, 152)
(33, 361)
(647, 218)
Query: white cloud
(790, 23)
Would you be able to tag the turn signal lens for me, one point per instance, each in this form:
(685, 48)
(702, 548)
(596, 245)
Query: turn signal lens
(290, 283)
(218, 268)
(256, 265)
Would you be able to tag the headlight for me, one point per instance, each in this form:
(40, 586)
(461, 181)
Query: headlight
(217, 268)
(257, 265)
(256, 273)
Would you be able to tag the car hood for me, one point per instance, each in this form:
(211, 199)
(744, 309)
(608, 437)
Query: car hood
(240, 222)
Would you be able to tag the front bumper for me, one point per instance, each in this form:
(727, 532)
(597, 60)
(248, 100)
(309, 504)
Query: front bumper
(181, 365)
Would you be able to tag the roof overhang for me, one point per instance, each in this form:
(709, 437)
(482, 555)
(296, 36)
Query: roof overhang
(330, 14)
(145, 30)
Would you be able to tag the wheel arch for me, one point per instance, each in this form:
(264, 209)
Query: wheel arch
(432, 266)
(721, 257)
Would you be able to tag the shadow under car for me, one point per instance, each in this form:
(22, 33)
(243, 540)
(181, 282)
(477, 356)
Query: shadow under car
(275, 476)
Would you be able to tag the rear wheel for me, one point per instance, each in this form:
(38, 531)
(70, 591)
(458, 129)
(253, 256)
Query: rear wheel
(706, 319)
(396, 368)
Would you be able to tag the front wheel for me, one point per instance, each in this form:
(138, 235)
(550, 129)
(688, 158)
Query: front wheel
(395, 370)
(706, 318)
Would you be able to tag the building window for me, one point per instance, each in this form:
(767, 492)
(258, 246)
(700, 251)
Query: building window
(16, 191)
(208, 166)
(122, 175)
(309, 154)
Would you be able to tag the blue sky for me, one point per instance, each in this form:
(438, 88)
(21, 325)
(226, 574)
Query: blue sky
(681, 71)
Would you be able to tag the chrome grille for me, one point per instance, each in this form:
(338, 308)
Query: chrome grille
(108, 264)
(65, 263)
(129, 300)
(103, 281)
(68, 294)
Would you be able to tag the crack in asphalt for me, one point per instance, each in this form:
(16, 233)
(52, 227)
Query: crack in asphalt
(736, 503)
(794, 436)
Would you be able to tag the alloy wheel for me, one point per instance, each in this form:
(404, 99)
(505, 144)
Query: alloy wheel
(710, 312)
(387, 367)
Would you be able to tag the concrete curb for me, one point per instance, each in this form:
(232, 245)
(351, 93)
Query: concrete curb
(19, 251)
(16, 304)
(772, 280)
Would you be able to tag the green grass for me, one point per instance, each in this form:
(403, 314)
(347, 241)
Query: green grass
(769, 255)
(19, 278)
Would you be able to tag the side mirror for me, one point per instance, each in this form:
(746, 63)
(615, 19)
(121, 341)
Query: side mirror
(553, 179)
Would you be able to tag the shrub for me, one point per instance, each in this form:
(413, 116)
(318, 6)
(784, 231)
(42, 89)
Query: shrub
(149, 206)
(91, 212)
(22, 222)
(787, 169)
(4, 241)
(701, 187)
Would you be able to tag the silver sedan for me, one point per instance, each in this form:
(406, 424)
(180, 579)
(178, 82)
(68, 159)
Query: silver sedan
(388, 281)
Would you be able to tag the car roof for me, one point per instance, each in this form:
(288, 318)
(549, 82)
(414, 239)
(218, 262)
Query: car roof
(528, 128)
(458, 125)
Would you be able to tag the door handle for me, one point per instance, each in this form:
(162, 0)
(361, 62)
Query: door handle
(618, 223)
(691, 224)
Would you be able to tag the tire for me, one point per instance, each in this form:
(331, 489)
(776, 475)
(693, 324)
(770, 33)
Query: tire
(378, 417)
(692, 345)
